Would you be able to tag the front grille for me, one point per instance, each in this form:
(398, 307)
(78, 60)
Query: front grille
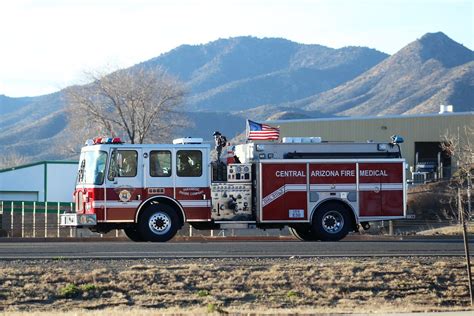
(419, 178)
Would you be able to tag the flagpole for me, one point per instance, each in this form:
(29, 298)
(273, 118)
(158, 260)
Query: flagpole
(247, 129)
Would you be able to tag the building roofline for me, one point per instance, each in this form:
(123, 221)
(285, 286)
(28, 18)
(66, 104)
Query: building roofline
(44, 162)
(361, 118)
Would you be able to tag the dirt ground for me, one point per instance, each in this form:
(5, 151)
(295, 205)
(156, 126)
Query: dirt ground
(248, 286)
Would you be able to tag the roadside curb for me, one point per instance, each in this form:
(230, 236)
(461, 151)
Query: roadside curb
(349, 238)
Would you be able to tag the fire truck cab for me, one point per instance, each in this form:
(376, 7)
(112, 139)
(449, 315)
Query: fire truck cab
(320, 190)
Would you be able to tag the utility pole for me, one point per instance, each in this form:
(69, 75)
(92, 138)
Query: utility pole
(463, 216)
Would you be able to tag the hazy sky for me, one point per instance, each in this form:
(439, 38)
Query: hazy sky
(46, 45)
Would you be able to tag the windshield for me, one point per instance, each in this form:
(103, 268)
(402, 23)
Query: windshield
(92, 167)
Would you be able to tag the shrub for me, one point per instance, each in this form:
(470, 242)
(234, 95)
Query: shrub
(291, 294)
(69, 291)
(211, 308)
(202, 293)
(88, 287)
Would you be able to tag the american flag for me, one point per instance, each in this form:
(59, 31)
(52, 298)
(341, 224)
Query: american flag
(258, 131)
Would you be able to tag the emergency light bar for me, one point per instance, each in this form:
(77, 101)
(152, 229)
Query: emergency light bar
(104, 140)
(187, 140)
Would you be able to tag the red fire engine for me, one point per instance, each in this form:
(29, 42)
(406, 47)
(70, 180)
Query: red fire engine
(320, 190)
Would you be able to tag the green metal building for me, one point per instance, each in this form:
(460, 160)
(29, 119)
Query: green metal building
(39, 182)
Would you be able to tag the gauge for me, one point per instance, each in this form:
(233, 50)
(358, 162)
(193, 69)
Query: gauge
(246, 169)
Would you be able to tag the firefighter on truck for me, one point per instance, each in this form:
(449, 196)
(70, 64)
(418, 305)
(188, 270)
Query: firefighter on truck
(319, 190)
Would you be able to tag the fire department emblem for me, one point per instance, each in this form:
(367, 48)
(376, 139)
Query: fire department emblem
(125, 195)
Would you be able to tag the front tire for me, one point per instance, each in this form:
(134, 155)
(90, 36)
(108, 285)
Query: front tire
(158, 223)
(132, 233)
(332, 222)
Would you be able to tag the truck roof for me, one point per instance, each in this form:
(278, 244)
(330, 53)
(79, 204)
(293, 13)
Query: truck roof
(324, 150)
(144, 146)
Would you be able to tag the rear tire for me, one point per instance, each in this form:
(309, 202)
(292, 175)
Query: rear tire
(204, 225)
(332, 222)
(303, 233)
(158, 223)
(132, 234)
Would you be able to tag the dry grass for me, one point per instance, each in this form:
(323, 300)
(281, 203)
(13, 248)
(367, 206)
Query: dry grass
(234, 285)
(455, 230)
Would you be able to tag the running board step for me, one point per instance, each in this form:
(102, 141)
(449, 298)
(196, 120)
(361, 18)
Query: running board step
(236, 225)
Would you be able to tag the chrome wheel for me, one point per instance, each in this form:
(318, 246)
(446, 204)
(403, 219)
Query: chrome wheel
(159, 223)
(332, 222)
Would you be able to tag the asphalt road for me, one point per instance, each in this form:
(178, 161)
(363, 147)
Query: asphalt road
(231, 249)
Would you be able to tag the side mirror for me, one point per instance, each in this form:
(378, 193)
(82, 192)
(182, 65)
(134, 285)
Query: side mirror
(112, 174)
(113, 171)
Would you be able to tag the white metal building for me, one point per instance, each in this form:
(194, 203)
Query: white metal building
(42, 181)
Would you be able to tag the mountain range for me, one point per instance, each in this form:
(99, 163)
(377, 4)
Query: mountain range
(431, 71)
(230, 80)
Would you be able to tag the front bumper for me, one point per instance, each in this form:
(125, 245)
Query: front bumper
(78, 220)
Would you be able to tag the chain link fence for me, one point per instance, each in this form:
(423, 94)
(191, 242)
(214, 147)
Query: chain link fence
(34, 219)
(42, 219)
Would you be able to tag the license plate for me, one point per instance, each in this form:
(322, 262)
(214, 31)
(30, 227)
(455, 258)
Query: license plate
(296, 213)
(78, 219)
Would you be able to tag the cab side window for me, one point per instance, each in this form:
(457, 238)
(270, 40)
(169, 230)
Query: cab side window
(123, 164)
(189, 163)
(160, 163)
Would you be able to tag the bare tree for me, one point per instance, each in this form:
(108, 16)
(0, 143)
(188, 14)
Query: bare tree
(461, 148)
(139, 105)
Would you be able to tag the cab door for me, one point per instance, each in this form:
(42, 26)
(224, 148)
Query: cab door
(124, 184)
(191, 177)
(158, 172)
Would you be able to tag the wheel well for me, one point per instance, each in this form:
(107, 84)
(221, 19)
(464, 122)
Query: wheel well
(339, 202)
(165, 200)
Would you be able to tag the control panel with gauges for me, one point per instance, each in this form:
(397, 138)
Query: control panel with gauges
(239, 172)
(231, 201)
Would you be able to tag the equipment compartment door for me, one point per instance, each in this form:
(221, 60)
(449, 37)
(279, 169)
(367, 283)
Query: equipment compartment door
(370, 196)
(381, 188)
(392, 190)
(283, 192)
